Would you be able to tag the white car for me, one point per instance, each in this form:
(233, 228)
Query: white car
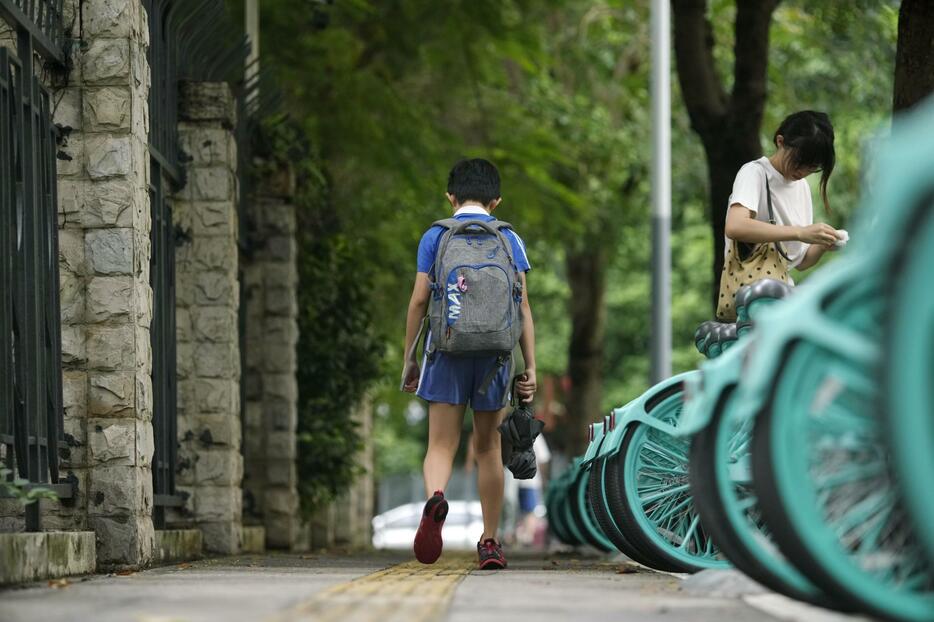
(395, 528)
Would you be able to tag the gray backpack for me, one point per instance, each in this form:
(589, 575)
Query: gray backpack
(476, 294)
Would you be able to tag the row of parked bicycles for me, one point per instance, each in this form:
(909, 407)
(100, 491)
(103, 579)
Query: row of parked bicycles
(802, 450)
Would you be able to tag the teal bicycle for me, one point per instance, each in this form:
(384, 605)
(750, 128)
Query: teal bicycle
(908, 317)
(821, 455)
(570, 516)
(720, 458)
(644, 497)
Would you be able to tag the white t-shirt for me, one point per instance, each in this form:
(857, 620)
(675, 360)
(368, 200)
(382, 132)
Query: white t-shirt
(791, 201)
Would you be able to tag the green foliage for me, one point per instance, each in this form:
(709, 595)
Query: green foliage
(18, 489)
(392, 92)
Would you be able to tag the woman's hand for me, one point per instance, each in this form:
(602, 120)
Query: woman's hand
(818, 233)
(526, 386)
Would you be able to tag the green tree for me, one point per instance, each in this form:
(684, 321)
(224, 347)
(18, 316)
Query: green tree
(727, 122)
(914, 61)
(391, 93)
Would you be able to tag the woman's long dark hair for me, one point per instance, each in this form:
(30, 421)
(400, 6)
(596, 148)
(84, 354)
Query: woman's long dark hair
(808, 136)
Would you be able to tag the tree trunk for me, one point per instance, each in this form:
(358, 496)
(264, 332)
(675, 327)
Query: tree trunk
(724, 158)
(727, 124)
(914, 56)
(587, 277)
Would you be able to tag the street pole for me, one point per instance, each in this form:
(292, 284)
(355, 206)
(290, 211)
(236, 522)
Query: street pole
(661, 191)
(251, 14)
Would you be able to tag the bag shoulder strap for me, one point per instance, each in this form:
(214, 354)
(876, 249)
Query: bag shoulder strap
(502, 226)
(499, 226)
(447, 223)
(768, 199)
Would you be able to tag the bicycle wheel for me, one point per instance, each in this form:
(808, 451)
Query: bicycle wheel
(555, 520)
(583, 515)
(598, 501)
(649, 495)
(721, 485)
(821, 471)
(908, 401)
(576, 536)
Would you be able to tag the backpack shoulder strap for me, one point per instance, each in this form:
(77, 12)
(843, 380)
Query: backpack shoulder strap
(447, 223)
(501, 224)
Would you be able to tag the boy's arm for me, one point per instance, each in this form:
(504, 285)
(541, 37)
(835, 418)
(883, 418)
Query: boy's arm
(527, 385)
(418, 305)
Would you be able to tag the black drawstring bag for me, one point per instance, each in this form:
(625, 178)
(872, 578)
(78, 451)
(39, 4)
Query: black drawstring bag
(519, 430)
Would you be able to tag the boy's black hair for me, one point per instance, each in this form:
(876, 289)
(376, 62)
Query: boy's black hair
(808, 135)
(474, 180)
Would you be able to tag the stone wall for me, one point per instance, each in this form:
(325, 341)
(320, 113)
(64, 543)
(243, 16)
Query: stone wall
(210, 465)
(106, 310)
(271, 391)
(106, 300)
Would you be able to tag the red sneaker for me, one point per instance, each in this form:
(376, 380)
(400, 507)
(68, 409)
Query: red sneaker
(490, 554)
(428, 537)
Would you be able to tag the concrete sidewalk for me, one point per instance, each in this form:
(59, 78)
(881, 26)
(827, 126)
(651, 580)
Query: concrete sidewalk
(286, 587)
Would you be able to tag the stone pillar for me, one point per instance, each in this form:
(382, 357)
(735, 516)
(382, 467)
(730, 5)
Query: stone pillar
(104, 256)
(207, 301)
(353, 510)
(271, 279)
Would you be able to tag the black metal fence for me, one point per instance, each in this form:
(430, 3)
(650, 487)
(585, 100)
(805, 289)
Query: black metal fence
(189, 40)
(41, 21)
(30, 331)
(165, 173)
(162, 277)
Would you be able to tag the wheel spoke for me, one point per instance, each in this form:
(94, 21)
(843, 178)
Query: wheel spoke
(848, 475)
(674, 457)
(662, 494)
(673, 509)
(690, 533)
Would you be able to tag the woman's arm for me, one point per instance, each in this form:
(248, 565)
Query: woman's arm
(742, 226)
(812, 256)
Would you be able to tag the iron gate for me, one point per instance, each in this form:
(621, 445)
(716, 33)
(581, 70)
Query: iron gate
(192, 40)
(164, 175)
(30, 325)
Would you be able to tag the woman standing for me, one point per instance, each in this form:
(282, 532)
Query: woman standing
(771, 208)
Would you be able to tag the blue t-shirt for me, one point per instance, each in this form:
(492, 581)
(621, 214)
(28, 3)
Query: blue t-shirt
(428, 246)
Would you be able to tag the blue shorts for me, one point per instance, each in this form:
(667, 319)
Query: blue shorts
(457, 380)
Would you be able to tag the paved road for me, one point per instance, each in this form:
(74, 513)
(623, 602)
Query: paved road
(385, 587)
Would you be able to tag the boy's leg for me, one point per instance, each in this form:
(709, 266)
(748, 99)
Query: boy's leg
(444, 435)
(444, 431)
(486, 440)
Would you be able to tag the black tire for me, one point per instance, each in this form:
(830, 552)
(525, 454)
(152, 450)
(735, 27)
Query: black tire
(615, 499)
(597, 501)
(709, 503)
(576, 513)
(555, 524)
(777, 519)
(575, 537)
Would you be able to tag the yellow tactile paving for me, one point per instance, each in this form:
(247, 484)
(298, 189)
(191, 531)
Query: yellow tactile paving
(410, 591)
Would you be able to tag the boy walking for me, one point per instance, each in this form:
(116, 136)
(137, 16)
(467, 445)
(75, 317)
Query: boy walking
(471, 269)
